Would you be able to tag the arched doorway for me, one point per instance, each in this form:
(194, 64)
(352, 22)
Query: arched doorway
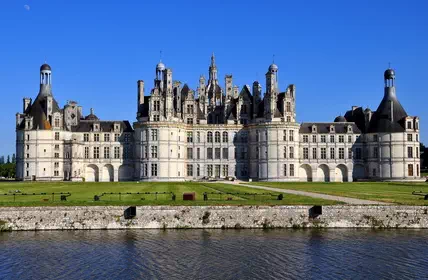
(91, 173)
(341, 173)
(323, 173)
(305, 173)
(358, 172)
(108, 173)
(125, 173)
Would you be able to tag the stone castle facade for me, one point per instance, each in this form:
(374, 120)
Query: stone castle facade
(215, 132)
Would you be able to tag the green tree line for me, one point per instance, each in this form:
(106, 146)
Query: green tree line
(8, 166)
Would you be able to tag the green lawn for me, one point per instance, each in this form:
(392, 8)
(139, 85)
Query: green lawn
(83, 194)
(399, 193)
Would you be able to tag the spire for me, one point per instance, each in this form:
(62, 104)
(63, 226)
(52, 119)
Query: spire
(212, 60)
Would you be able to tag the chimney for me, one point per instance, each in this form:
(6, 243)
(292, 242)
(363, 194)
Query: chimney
(140, 84)
(27, 103)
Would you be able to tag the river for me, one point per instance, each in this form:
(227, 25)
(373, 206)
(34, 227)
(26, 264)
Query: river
(215, 254)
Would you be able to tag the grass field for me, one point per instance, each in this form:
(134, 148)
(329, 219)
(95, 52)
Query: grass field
(82, 194)
(399, 193)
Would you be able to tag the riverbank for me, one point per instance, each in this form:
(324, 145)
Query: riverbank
(182, 217)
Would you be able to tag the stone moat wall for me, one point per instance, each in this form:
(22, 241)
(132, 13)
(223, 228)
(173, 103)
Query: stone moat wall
(180, 217)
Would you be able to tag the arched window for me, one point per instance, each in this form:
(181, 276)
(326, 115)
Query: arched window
(217, 137)
(225, 136)
(209, 137)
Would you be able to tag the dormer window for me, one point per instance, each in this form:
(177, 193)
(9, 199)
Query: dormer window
(349, 129)
(314, 129)
(409, 125)
(416, 125)
(332, 128)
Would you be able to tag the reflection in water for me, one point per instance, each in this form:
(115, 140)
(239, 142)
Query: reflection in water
(214, 254)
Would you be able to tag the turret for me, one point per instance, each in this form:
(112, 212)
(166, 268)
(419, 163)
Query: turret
(45, 80)
(257, 97)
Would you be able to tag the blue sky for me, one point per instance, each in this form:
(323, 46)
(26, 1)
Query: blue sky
(335, 52)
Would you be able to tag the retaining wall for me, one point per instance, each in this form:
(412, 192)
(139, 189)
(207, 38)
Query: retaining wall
(112, 217)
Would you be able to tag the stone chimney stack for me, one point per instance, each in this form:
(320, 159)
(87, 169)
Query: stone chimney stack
(27, 103)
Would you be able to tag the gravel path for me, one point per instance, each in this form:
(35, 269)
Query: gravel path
(347, 200)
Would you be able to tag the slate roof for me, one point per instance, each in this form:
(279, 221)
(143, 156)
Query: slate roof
(105, 126)
(325, 127)
(37, 111)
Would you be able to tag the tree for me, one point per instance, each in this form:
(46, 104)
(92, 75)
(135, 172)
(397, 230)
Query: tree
(13, 158)
(8, 159)
(2, 160)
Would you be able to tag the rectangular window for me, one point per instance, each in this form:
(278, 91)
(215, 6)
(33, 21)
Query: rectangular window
(314, 138)
(305, 153)
(156, 105)
(331, 138)
(375, 138)
(86, 137)
(225, 170)
(56, 147)
(417, 152)
(156, 118)
(341, 153)
(106, 137)
(96, 137)
(154, 135)
(323, 153)
(56, 164)
(417, 170)
(145, 151)
(210, 170)
(209, 153)
(291, 149)
(56, 173)
(285, 152)
(189, 109)
(198, 153)
(198, 137)
(189, 170)
(292, 170)
(217, 153)
(198, 170)
(375, 152)
(314, 153)
(358, 153)
(56, 135)
(189, 120)
(116, 137)
(349, 153)
(284, 138)
(349, 138)
(410, 152)
(285, 170)
(154, 169)
(56, 122)
(291, 138)
(225, 153)
(341, 139)
(145, 170)
(189, 137)
(305, 138)
(56, 155)
(189, 153)
(410, 137)
(323, 139)
(154, 151)
(410, 169)
(116, 152)
(127, 137)
(332, 153)
(106, 152)
(409, 125)
(417, 137)
(96, 152)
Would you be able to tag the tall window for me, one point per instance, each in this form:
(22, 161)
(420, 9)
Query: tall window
(288, 119)
(86, 152)
(189, 120)
(106, 137)
(332, 153)
(349, 153)
(209, 153)
(198, 170)
(189, 153)
(410, 152)
(291, 149)
(56, 122)
(198, 153)
(198, 137)
(409, 125)
(116, 152)
(145, 168)
(288, 107)
(189, 109)
(292, 170)
(409, 137)
(210, 170)
(349, 138)
(154, 169)
(341, 139)
(225, 153)
(225, 137)
(314, 138)
(86, 137)
(116, 137)
(341, 153)
(209, 137)
(96, 137)
(305, 138)
(291, 135)
(96, 152)
(323, 139)
(156, 105)
(225, 170)
(217, 137)
(323, 153)
(154, 151)
(410, 169)
(217, 153)
(284, 137)
(106, 152)
(331, 138)
(305, 153)
(314, 153)
(375, 152)
(190, 170)
(127, 137)
(56, 135)
(417, 152)
(154, 134)
(189, 137)
(285, 170)
(156, 118)
(145, 151)
(285, 151)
